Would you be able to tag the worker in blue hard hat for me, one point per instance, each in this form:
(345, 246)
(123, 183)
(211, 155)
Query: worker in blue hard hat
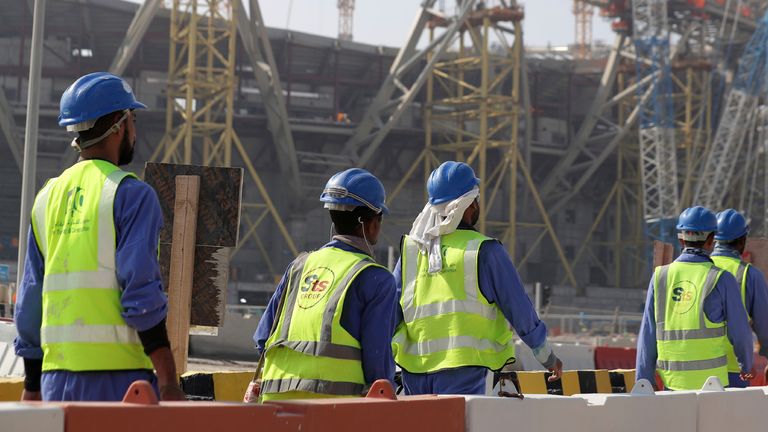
(458, 294)
(327, 329)
(90, 311)
(730, 241)
(692, 310)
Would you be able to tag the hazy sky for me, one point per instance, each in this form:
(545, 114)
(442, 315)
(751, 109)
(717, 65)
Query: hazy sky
(388, 22)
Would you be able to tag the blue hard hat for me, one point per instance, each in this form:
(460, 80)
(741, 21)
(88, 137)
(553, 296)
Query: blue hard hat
(450, 181)
(731, 225)
(699, 219)
(95, 95)
(355, 187)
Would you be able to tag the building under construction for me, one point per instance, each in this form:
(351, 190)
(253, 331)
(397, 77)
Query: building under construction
(585, 154)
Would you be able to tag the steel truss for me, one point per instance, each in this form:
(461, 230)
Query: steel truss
(201, 84)
(474, 101)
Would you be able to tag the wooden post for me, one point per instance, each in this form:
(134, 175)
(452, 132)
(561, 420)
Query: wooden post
(182, 267)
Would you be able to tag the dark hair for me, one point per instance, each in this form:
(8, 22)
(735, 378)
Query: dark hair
(346, 222)
(698, 244)
(100, 127)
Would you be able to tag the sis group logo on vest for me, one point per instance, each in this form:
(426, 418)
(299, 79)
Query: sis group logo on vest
(315, 286)
(683, 297)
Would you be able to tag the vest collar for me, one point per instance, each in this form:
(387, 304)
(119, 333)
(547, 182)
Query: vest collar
(724, 249)
(358, 243)
(697, 252)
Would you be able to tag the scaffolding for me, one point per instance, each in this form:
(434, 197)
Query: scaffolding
(200, 99)
(472, 113)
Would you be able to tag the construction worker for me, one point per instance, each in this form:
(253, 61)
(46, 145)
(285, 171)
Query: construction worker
(730, 241)
(692, 306)
(458, 293)
(91, 310)
(328, 327)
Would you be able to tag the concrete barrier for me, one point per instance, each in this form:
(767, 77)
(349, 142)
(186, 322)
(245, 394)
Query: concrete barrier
(733, 409)
(665, 411)
(532, 414)
(26, 417)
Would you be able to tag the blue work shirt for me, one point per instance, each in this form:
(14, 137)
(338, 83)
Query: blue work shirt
(138, 220)
(367, 314)
(723, 304)
(500, 284)
(756, 301)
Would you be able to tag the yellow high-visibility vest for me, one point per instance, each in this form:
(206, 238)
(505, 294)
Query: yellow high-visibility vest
(82, 327)
(448, 323)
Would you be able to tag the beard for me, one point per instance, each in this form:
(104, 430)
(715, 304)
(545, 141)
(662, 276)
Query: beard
(475, 217)
(126, 151)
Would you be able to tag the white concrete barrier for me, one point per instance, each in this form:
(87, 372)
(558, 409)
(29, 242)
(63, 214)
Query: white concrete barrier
(733, 410)
(533, 414)
(18, 417)
(665, 411)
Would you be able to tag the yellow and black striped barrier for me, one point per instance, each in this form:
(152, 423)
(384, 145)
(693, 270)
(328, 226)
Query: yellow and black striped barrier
(573, 382)
(218, 386)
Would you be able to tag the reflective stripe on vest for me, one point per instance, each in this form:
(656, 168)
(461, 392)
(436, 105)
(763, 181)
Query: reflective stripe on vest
(286, 361)
(312, 385)
(80, 285)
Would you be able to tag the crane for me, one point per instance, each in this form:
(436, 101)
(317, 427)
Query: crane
(739, 110)
(656, 131)
(346, 16)
(582, 12)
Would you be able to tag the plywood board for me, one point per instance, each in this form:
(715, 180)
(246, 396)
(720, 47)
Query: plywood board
(221, 190)
(216, 234)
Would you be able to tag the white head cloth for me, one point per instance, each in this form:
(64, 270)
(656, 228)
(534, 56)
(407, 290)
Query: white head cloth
(438, 220)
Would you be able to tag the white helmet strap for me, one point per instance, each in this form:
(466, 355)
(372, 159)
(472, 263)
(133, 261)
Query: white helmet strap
(113, 129)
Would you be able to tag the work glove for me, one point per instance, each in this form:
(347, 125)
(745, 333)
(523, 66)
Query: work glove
(253, 392)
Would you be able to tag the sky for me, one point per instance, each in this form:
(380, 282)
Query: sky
(388, 22)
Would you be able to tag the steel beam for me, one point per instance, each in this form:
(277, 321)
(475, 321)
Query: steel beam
(139, 25)
(395, 96)
(253, 33)
(8, 127)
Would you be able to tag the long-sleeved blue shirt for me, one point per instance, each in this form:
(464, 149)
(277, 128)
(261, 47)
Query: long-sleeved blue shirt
(722, 305)
(500, 284)
(367, 314)
(138, 220)
(756, 297)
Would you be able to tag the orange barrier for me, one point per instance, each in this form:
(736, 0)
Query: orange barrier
(760, 378)
(379, 412)
(141, 412)
(615, 358)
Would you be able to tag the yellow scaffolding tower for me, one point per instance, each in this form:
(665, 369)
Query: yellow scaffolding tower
(472, 114)
(200, 104)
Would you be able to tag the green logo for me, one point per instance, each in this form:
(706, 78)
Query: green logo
(75, 200)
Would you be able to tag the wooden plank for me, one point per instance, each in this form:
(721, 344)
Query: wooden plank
(182, 267)
(663, 253)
